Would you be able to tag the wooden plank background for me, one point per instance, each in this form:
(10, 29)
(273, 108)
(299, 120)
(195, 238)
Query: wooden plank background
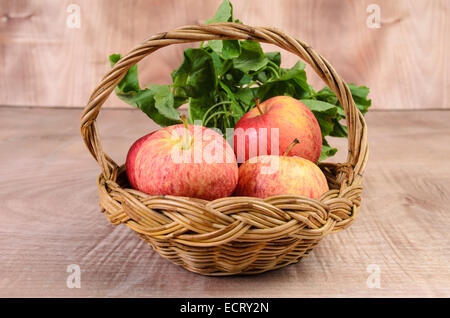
(51, 218)
(45, 63)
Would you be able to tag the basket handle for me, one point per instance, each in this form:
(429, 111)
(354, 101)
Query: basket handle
(357, 130)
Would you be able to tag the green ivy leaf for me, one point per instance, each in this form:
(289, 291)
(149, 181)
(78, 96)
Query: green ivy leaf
(339, 130)
(327, 151)
(196, 74)
(275, 57)
(223, 14)
(236, 108)
(251, 58)
(130, 92)
(317, 106)
(292, 82)
(360, 94)
(227, 49)
(245, 95)
(200, 105)
(164, 102)
(130, 82)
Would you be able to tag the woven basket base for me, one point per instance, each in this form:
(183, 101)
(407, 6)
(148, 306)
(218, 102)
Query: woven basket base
(237, 258)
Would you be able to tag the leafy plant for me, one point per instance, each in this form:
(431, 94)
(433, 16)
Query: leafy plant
(221, 79)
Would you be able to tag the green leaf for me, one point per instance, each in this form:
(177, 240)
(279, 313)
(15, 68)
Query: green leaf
(198, 106)
(114, 58)
(327, 151)
(245, 95)
(326, 124)
(197, 73)
(317, 106)
(297, 71)
(231, 49)
(227, 49)
(216, 46)
(164, 102)
(179, 101)
(328, 117)
(236, 108)
(359, 91)
(262, 77)
(291, 82)
(130, 81)
(359, 94)
(276, 88)
(327, 95)
(298, 74)
(251, 58)
(223, 14)
(130, 92)
(219, 64)
(340, 111)
(339, 130)
(145, 101)
(245, 79)
(275, 57)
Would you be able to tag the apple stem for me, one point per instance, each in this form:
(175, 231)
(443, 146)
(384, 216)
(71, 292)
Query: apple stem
(258, 106)
(291, 145)
(187, 139)
(184, 121)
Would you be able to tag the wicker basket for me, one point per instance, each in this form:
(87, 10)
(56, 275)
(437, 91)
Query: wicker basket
(233, 235)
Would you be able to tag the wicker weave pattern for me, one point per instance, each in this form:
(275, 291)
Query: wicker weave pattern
(234, 235)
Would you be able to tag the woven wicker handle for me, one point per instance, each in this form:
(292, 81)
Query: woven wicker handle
(357, 131)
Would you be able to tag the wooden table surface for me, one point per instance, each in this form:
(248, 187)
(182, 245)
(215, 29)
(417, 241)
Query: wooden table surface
(50, 217)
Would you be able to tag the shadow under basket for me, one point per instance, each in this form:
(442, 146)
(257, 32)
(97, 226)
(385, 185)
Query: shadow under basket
(232, 235)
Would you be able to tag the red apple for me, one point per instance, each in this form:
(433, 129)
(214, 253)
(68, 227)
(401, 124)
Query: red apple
(131, 159)
(183, 160)
(293, 120)
(271, 175)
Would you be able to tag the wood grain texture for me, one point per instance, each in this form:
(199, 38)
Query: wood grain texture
(405, 62)
(51, 217)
